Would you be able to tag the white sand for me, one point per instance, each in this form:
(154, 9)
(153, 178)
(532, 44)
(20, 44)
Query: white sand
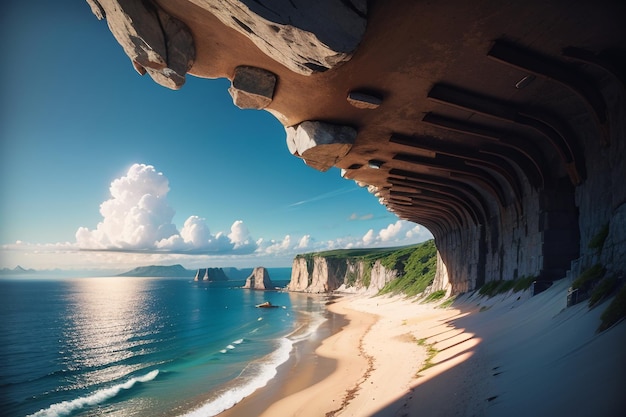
(511, 355)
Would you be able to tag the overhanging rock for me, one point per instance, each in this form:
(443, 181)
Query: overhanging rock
(252, 88)
(320, 144)
(305, 36)
(155, 42)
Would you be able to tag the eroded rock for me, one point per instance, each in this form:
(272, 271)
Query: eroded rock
(362, 100)
(305, 36)
(252, 88)
(320, 144)
(155, 42)
(259, 280)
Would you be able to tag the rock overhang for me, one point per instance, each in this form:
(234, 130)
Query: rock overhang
(483, 122)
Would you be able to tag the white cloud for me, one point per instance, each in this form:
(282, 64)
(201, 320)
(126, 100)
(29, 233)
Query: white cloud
(276, 247)
(401, 232)
(304, 242)
(137, 214)
(369, 237)
(138, 217)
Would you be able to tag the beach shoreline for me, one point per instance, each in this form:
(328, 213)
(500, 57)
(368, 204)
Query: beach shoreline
(481, 356)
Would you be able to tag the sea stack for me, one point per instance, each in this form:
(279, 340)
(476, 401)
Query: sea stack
(259, 280)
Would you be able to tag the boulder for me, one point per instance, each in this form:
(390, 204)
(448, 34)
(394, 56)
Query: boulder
(252, 88)
(155, 42)
(259, 280)
(305, 36)
(362, 100)
(320, 144)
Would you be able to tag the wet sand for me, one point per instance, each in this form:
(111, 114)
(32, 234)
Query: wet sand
(512, 355)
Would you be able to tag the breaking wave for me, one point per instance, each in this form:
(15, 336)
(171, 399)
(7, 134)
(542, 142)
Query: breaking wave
(67, 407)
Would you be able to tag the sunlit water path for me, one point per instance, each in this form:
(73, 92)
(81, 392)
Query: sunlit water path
(141, 346)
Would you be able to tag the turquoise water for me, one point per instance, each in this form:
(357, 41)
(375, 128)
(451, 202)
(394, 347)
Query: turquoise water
(141, 346)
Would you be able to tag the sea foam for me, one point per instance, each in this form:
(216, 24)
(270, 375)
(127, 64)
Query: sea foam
(67, 407)
(262, 372)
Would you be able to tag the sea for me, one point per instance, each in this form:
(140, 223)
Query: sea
(136, 346)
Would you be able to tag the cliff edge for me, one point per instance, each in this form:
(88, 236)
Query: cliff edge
(409, 269)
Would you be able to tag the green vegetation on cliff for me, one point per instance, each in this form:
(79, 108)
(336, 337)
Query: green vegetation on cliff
(416, 268)
(415, 264)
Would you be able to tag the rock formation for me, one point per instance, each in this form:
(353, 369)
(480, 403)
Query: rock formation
(155, 42)
(321, 145)
(304, 36)
(259, 280)
(210, 275)
(502, 128)
(321, 274)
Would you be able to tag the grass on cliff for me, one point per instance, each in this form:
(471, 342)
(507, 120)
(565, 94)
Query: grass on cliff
(416, 268)
(615, 312)
(492, 288)
(415, 264)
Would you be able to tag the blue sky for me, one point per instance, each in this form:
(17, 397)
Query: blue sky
(75, 117)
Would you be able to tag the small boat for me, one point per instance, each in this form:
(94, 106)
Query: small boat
(266, 304)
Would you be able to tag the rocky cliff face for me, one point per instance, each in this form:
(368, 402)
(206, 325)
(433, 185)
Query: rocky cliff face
(320, 274)
(259, 280)
(507, 144)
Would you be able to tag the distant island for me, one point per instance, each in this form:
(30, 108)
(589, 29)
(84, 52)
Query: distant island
(159, 271)
(17, 270)
(175, 271)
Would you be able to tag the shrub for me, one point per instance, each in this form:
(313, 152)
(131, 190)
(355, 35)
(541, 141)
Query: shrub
(597, 242)
(604, 288)
(588, 276)
(523, 283)
(615, 311)
(447, 303)
(435, 296)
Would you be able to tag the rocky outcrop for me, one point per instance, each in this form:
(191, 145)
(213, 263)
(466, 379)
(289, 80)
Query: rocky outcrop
(305, 36)
(259, 280)
(210, 275)
(252, 88)
(507, 144)
(155, 42)
(321, 145)
(318, 274)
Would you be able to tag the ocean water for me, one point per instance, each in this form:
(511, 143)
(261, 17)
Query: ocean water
(121, 346)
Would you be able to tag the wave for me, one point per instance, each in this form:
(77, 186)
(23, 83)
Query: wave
(67, 407)
(256, 375)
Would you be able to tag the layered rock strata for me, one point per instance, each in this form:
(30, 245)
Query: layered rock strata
(499, 126)
(322, 275)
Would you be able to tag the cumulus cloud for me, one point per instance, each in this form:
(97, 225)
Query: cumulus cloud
(398, 233)
(275, 247)
(137, 214)
(138, 217)
(304, 242)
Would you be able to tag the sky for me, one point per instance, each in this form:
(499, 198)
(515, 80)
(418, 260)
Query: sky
(102, 169)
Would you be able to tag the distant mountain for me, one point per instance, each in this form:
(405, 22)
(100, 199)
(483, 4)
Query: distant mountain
(159, 271)
(17, 270)
(217, 274)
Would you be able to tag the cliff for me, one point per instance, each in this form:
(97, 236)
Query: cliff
(259, 280)
(508, 144)
(410, 270)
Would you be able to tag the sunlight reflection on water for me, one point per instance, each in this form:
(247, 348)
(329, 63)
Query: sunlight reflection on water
(107, 328)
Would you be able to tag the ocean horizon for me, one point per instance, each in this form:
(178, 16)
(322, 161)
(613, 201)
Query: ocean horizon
(143, 346)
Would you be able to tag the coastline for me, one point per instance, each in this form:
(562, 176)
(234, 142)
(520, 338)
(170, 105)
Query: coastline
(505, 355)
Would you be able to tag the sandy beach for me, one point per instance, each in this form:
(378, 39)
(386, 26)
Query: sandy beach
(512, 355)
